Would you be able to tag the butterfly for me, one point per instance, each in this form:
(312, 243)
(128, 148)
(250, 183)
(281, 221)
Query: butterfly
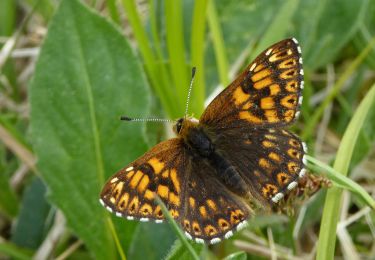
(237, 157)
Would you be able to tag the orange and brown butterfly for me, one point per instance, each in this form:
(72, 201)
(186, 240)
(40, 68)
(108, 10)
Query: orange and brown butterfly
(237, 155)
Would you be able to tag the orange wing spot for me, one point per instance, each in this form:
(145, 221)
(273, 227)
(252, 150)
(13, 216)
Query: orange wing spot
(271, 115)
(264, 163)
(294, 143)
(247, 105)
(294, 153)
(268, 144)
(292, 86)
(282, 178)
(112, 200)
(175, 180)
(261, 74)
(223, 224)
(192, 202)
(285, 132)
(240, 96)
(174, 213)
(133, 205)
(289, 101)
(289, 63)
(274, 89)
(289, 74)
(293, 167)
(274, 156)
(236, 216)
(196, 228)
(203, 211)
(269, 190)
(263, 83)
(249, 117)
(163, 191)
(135, 180)
(210, 230)
(143, 184)
(165, 174)
(271, 137)
(149, 195)
(123, 202)
(259, 67)
(280, 55)
(130, 174)
(117, 190)
(157, 212)
(146, 210)
(187, 225)
(174, 199)
(156, 165)
(211, 204)
(289, 115)
(267, 103)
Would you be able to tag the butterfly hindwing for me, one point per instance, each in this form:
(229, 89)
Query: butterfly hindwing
(269, 160)
(267, 93)
(212, 212)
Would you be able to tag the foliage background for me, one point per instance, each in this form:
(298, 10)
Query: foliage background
(69, 69)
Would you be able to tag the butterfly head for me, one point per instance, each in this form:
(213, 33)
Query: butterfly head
(183, 125)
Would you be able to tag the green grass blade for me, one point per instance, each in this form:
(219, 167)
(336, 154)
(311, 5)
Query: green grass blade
(157, 79)
(313, 121)
(177, 50)
(10, 249)
(218, 42)
(327, 235)
(341, 180)
(113, 11)
(280, 25)
(197, 55)
(178, 230)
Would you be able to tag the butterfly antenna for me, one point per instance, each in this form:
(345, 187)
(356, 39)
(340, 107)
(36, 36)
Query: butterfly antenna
(157, 120)
(190, 88)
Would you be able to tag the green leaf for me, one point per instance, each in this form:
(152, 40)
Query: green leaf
(151, 241)
(86, 77)
(31, 224)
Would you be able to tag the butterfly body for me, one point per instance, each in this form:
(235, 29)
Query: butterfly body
(199, 142)
(238, 157)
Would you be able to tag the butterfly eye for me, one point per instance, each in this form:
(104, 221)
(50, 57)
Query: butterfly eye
(178, 125)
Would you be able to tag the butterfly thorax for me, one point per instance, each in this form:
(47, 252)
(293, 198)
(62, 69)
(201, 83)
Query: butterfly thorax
(197, 139)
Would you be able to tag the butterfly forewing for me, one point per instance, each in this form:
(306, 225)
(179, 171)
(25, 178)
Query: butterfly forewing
(267, 93)
(130, 192)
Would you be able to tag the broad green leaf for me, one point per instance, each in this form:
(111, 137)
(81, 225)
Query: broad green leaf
(86, 77)
(151, 241)
(31, 225)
